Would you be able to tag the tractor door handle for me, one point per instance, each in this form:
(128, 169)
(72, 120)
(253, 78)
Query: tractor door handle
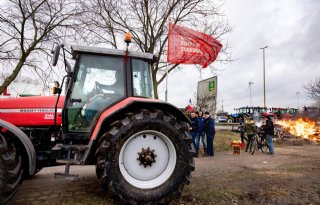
(75, 100)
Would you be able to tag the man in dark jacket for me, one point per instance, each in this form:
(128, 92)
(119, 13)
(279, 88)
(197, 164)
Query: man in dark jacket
(241, 129)
(194, 131)
(269, 132)
(210, 131)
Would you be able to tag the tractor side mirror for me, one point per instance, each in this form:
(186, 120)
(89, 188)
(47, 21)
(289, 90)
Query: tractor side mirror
(56, 84)
(56, 53)
(155, 59)
(56, 89)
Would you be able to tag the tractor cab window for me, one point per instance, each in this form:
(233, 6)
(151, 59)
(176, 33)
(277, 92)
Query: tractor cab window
(142, 84)
(100, 82)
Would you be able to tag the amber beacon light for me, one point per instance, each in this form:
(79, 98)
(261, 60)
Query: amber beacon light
(128, 38)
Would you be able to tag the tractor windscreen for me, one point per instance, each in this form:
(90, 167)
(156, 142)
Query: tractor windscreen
(99, 83)
(142, 83)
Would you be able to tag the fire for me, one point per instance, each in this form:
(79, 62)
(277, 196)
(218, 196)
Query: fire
(302, 128)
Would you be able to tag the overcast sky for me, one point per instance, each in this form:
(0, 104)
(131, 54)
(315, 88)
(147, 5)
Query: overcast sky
(291, 29)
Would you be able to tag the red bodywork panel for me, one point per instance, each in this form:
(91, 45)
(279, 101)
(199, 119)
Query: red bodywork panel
(31, 111)
(115, 108)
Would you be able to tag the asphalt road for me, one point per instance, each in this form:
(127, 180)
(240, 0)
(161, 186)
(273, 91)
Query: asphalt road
(227, 126)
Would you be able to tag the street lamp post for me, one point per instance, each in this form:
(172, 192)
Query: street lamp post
(166, 92)
(298, 94)
(264, 76)
(250, 84)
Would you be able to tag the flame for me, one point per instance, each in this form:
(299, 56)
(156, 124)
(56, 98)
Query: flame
(306, 129)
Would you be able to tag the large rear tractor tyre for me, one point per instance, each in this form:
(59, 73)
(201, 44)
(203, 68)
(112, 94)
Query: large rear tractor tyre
(146, 158)
(10, 168)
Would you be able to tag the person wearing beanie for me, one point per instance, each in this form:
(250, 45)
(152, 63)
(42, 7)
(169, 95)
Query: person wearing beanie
(210, 131)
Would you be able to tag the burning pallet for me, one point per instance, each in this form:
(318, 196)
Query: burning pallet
(299, 131)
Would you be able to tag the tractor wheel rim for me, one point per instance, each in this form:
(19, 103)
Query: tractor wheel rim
(144, 175)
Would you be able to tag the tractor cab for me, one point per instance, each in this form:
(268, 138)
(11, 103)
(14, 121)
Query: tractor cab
(101, 78)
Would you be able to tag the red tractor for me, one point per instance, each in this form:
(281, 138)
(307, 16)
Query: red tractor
(284, 113)
(108, 118)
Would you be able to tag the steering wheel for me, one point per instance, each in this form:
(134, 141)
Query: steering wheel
(98, 88)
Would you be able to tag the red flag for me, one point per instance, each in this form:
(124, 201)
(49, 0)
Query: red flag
(187, 46)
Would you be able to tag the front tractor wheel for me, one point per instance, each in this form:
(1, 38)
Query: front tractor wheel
(10, 168)
(146, 158)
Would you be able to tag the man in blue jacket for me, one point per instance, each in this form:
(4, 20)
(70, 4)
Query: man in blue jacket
(202, 134)
(194, 130)
(210, 132)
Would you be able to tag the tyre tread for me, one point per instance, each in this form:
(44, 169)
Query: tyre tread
(107, 180)
(12, 167)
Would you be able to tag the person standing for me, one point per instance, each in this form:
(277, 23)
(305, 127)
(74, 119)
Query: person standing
(194, 131)
(241, 129)
(210, 131)
(202, 135)
(269, 132)
(251, 129)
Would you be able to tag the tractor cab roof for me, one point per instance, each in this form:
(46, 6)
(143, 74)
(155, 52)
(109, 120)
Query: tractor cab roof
(110, 52)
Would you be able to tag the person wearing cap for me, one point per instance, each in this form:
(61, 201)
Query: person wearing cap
(210, 131)
(194, 130)
(251, 129)
(269, 132)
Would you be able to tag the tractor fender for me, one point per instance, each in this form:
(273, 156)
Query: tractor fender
(116, 112)
(25, 141)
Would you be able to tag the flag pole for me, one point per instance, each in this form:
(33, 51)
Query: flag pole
(166, 92)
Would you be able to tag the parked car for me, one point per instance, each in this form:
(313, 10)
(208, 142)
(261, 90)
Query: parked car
(222, 119)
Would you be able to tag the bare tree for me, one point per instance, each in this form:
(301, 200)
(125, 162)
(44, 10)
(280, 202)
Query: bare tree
(312, 90)
(148, 23)
(28, 28)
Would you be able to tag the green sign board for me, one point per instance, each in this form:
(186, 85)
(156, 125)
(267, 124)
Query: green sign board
(212, 85)
(207, 93)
